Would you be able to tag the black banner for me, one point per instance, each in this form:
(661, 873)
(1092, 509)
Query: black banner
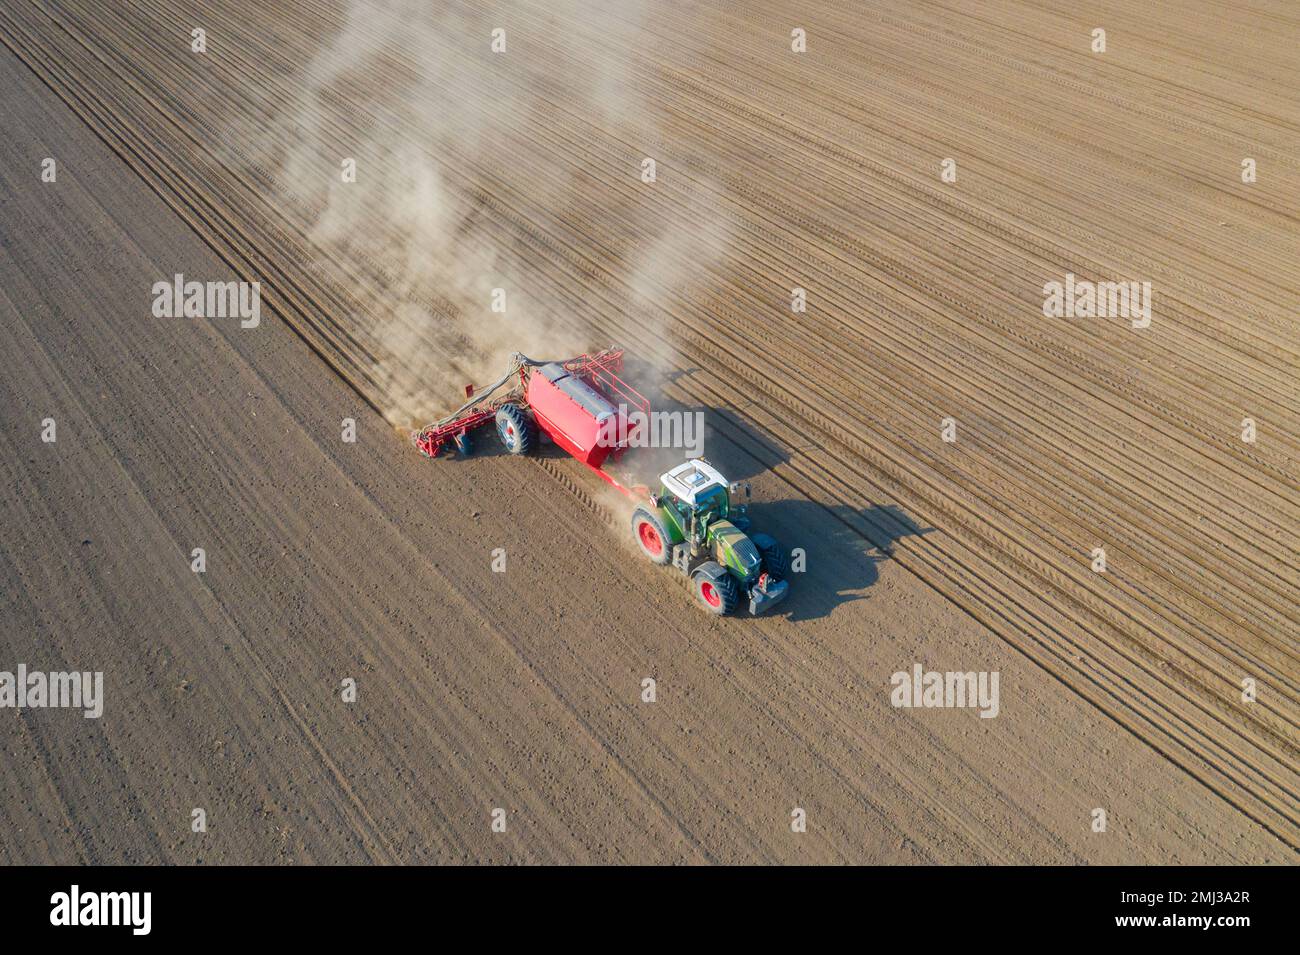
(145, 905)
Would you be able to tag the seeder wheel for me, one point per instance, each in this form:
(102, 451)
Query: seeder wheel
(515, 429)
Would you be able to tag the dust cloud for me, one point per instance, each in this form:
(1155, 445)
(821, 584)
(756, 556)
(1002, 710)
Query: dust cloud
(441, 128)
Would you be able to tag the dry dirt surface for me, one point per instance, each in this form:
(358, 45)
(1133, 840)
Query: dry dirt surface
(662, 176)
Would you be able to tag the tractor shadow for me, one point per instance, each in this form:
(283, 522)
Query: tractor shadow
(843, 547)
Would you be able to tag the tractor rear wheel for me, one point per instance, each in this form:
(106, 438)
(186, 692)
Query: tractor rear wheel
(515, 429)
(775, 561)
(715, 589)
(651, 536)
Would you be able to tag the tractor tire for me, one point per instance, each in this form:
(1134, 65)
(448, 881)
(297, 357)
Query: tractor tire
(517, 432)
(651, 536)
(775, 561)
(715, 589)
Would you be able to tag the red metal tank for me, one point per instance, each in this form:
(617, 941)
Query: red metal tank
(574, 414)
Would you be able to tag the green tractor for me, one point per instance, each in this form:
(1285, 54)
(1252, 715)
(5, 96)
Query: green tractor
(694, 516)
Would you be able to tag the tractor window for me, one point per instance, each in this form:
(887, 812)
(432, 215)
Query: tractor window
(713, 501)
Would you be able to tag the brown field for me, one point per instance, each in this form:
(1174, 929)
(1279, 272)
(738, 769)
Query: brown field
(523, 170)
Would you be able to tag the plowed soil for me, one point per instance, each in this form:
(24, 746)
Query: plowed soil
(525, 170)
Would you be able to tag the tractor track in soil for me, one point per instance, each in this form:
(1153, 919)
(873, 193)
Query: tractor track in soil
(1159, 644)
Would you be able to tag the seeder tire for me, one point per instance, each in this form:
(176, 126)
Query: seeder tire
(516, 431)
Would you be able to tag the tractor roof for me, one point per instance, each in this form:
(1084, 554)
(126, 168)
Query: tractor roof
(691, 478)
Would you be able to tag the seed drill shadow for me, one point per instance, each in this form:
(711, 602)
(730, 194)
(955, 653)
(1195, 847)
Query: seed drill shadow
(484, 444)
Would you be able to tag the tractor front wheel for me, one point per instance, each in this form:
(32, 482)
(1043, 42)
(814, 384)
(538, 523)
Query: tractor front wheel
(775, 561)
(651, 536)
(715, 589)
(515, 429)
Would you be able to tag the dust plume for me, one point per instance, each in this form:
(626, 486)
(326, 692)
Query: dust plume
(444, 135)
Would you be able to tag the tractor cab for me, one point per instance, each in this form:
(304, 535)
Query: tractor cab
(698, 498)
(697, 493)
(694, 481)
